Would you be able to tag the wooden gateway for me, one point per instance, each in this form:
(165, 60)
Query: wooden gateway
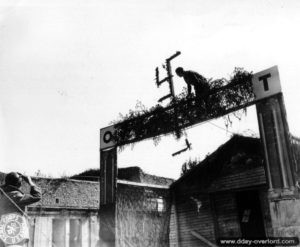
(222, 197)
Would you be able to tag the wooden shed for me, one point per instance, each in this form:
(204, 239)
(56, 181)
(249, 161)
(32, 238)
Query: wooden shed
(224, 196)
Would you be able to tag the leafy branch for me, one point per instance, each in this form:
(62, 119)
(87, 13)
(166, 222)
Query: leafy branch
(185, 110)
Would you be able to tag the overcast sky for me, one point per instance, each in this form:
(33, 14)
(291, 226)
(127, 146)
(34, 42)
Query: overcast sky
(69, 67)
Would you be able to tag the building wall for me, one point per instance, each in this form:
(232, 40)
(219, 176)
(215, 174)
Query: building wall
(286, 218)
(227, 222)
(247, 178)
(142, 216)
(209, 215)
(266, 212)
(63, 228)
(193, 217)
(66, 214)
(212, 212)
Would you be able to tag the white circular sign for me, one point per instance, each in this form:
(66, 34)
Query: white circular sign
(108, 136)
(13, 228)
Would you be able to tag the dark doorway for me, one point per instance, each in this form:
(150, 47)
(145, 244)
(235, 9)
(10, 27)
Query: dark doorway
(250, 214)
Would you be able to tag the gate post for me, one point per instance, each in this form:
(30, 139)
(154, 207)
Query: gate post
(274, 132)
(280, 171)
(108, 187)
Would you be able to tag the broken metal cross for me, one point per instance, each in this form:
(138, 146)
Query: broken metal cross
(168, 79)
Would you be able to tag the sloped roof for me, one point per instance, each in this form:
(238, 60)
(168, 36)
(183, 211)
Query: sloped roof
(136, 174)
(238, 154)
(133, 174)
(68, 193)
(83, 194)
(64, 193)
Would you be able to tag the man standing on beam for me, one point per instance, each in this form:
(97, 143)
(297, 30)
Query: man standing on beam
(195, 80)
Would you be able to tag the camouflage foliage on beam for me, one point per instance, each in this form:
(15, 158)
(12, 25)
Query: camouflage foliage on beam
(226, 96)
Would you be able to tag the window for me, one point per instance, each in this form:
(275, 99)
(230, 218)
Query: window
(155, 204)
(59, 232)
(160, 205)
(67, 231)
(75, 233)
(32, 223)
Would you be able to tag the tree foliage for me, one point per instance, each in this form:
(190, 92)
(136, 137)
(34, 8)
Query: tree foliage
(186, 166)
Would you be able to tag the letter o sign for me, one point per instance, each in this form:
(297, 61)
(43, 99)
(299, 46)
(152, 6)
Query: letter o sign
(107, 137)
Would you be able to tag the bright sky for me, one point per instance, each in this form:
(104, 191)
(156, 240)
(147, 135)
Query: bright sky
(69, 67)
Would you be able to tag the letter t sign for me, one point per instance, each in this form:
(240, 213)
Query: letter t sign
(266, 83)
(264, 79)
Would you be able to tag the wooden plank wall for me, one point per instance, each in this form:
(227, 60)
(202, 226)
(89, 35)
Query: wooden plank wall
(218, 215)
(173, 234)
(226, 215)
(190, 219)
(248, 178)
(265, 206)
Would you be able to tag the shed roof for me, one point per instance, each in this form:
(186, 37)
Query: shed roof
(237, 155)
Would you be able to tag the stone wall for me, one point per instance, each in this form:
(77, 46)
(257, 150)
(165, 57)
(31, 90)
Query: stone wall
(286, 218)
(142, 215)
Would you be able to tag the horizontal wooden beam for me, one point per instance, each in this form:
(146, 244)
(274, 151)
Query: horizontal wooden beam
(183, 113)
(203, 239)
(197, 120)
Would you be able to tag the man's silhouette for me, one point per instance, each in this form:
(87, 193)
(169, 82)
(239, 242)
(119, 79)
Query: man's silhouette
(14, 201)
(195, 80)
